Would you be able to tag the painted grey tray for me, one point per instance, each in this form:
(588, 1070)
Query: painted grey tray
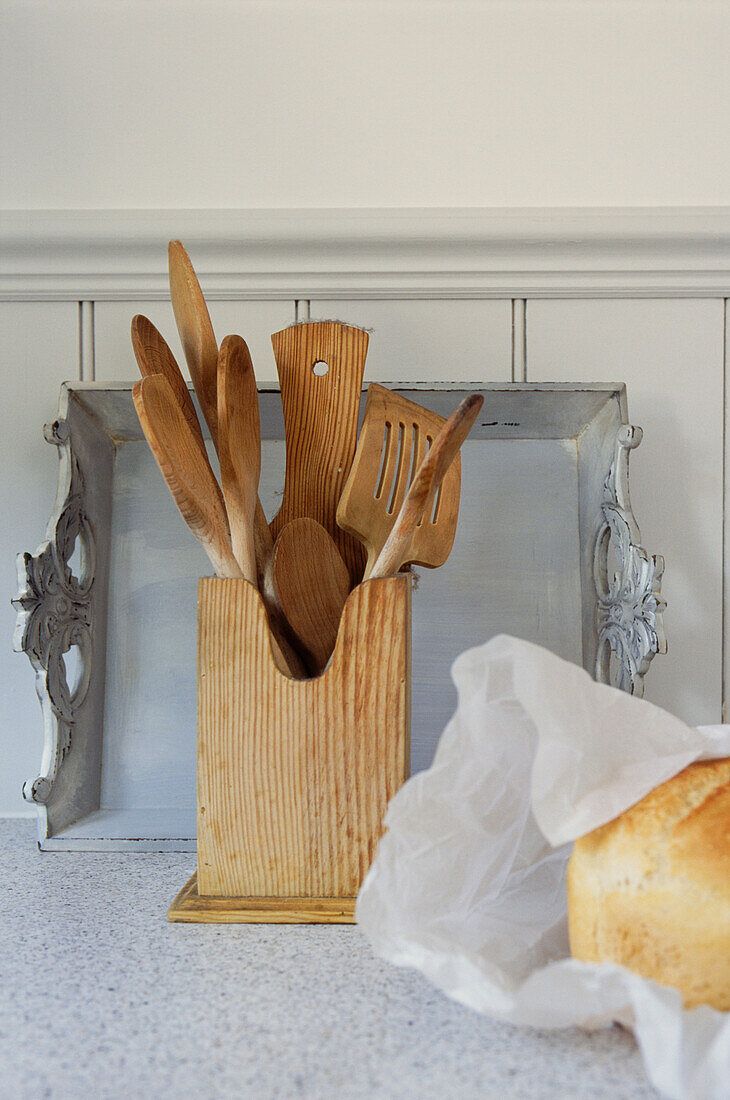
(546, 549)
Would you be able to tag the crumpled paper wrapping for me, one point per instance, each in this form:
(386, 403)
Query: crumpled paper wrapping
(468, 883)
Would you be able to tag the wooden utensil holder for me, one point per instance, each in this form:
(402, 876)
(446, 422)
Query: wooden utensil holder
(294, 776)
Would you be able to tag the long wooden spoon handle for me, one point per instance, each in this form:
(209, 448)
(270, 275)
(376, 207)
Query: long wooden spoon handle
(239, 447)
(196, 332)
(425, 484)
(186, 470)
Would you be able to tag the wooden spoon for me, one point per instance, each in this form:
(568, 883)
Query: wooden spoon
(239, 447)
(195, 490)
(201, 354)
(186, 470)
(312, 583)
(239, 450)
(154, 357)
(196, 332)
(420, 496)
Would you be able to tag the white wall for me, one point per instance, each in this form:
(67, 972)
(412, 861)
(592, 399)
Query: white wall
(261, 103)
(344, 103)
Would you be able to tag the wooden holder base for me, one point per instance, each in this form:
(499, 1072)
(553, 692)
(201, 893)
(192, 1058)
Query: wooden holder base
(191, 907)
(294, 776)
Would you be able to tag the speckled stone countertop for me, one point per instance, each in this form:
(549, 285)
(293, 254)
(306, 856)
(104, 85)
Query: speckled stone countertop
(101, 997)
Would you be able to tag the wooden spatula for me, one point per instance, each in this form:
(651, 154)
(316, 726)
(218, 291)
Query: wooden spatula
(154, 357)
(186, 470)
(320, 368)
(417, 508)
(196, 332)
(312, 583)
(394, 439)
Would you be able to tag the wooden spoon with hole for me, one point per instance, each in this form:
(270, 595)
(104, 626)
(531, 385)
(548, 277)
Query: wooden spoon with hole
(320, 423)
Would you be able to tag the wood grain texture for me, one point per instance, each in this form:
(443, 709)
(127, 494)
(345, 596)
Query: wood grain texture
(251, 540)
(239, 448)
(191, 907)
(196, 332)
(320, 420)
(312, 583)
(395, 437)
(294, 776)
(186, 470)
(421, 508)
(288, 657)
(154, 356)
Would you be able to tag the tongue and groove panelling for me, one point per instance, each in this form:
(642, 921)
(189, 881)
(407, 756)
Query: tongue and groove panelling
(669, 352)
(430, 341)
(254, 320)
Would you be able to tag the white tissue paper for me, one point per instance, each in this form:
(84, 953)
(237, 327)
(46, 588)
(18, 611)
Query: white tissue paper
(468, 883)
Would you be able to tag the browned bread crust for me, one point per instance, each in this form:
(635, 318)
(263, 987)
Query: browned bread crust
(651, 889)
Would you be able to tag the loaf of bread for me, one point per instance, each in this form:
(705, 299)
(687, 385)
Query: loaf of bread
(651, 889)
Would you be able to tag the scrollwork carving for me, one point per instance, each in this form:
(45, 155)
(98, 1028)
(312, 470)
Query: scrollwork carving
(54, 615)
(628, 582)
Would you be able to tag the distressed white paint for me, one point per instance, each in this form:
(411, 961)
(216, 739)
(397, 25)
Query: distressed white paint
(670, 354)
(39, 343)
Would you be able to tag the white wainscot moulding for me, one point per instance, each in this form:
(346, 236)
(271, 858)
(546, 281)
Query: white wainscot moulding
(370, 253)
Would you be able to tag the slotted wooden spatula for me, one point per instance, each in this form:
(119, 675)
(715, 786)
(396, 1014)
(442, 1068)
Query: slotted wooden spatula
(417, 508)
(320, 368)
(395, 437)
